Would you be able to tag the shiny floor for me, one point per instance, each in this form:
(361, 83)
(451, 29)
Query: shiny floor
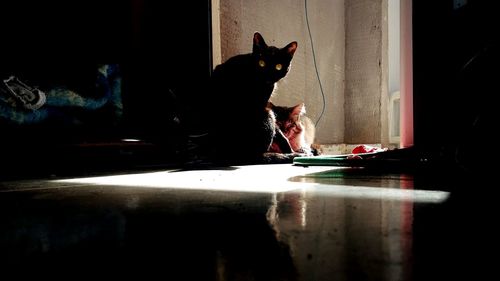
(270, 222)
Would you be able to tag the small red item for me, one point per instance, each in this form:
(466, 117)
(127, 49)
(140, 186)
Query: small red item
(366, 148)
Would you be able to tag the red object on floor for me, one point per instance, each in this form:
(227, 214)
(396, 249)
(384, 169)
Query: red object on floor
(366, 148)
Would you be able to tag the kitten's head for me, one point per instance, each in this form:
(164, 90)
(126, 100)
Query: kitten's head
(288, 119)
(271, 63)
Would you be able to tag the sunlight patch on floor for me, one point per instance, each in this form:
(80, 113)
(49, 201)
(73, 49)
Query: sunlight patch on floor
(261, 179)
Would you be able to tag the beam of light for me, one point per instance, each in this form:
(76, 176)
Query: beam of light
(382, 193)
(259, 179)
(131, 140)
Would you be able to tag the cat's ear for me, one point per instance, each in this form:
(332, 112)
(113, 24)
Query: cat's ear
(270, 105)
(299, 109)
(258, 42)
(290, 48)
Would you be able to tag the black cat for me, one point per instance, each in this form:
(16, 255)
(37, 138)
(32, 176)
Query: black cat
(242, 128)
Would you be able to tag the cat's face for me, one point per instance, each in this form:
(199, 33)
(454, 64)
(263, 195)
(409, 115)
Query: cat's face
(288, 119)
(271, 63)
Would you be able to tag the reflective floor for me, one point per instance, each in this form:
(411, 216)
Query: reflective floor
(271, 222)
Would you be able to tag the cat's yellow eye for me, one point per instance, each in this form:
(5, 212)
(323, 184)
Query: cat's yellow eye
(278, 66)
(262, 63)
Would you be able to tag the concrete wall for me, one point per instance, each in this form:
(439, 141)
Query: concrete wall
(283, 21)
(393, 22)
(366, 83)
(350, 44)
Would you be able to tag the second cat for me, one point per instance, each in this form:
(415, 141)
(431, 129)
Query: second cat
(297, 129)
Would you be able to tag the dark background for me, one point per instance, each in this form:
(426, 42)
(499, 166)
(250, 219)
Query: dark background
(455, 57)
(164, 51)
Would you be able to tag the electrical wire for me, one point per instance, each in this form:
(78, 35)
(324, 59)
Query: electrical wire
(315, 64)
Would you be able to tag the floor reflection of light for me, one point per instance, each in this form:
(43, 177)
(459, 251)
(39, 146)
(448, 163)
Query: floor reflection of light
(303, 209)
(259, 179)
(383, 193)
(131, 140)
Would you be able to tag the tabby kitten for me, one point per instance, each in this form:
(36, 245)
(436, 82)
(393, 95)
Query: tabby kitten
(298, 130)
(242, 128)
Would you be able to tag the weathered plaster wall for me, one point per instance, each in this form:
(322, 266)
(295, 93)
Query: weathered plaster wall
(281, 22)
(350, 46)
(366, 65)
